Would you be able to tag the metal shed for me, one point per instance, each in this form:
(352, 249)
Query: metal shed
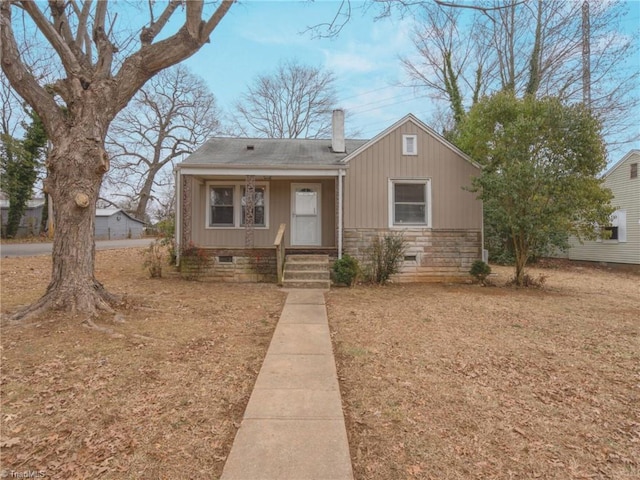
(114, 224)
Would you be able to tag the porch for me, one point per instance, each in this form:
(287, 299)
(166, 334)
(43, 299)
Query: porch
(217, 211)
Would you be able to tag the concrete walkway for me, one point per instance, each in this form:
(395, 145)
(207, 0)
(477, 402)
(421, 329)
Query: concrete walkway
(293, 427)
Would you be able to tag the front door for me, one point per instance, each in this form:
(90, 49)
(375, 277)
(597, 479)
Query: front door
(305, 214)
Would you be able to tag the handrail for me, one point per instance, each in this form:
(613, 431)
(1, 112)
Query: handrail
(280, 256)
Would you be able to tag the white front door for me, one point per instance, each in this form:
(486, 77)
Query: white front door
(305, 214)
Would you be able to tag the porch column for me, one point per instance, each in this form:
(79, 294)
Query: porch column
(340, 174)
(178, 219)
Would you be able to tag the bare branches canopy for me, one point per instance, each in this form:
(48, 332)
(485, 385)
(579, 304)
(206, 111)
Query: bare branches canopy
(295, 101)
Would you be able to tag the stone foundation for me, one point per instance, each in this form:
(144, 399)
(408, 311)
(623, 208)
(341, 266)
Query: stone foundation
(440, 255)
(241, 265)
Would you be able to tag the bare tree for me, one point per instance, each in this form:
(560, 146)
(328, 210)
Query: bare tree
(99, 76)
(529, 47)
(169, 117)
(450, 62)
(292, 102)
(12, 114)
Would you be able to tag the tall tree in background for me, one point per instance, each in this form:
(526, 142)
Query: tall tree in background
(293, 102)
(170, 116)
(98, 73)
(530, 47)
(19, 164)
(539, 181)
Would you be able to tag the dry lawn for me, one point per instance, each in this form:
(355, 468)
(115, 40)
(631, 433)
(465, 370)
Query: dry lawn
(438, 381)
(161, 397)
(465, 382)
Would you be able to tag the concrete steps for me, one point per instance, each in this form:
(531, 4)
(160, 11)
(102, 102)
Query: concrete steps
(306, 271)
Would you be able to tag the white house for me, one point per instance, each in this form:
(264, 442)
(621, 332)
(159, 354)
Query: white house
(623, 244)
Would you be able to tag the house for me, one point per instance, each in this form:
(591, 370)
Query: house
(114, 224)
(622, 244)
(30, 221)
(331, 197)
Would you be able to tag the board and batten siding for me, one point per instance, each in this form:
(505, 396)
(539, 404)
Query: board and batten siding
(279, 205)
(626, 191)
(367, 182)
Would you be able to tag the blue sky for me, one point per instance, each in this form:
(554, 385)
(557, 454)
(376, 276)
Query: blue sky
(364, 57)
(255, 36)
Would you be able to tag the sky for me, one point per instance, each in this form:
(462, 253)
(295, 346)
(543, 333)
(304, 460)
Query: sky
(365, 58)
(255, 36)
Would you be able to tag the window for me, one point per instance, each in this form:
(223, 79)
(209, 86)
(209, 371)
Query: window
(222, 206)
(258, 211)
(409, 202)
(634, 170)
(227, 205)
(409, 144)
(612, 233)
(617, 229)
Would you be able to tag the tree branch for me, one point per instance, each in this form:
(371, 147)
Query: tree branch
(150, 59)
(149, 33)
(69, 60)
(22, 80)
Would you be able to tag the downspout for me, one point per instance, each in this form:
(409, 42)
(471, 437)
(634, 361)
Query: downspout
(340, 175)
(178, 229)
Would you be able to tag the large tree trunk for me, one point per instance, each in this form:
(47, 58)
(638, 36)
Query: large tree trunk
(76, 167)
(145, 194)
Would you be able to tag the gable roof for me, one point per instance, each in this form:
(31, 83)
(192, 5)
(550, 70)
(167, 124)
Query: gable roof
(108, 212)
(423, 126)
(630, 154)
(270, 152)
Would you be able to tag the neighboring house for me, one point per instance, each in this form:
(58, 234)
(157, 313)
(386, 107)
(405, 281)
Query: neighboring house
(333, 197)
(114, 224)
(30, 221)
(623, 240)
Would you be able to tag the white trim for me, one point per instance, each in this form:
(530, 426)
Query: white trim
(340, 220)
(178, 229)
(262, 171)
(237, 204)
(420, 181)
(405, 149)
(318, 188)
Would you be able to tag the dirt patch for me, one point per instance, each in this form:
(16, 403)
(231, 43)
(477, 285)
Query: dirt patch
(162, 398)
(458, 382)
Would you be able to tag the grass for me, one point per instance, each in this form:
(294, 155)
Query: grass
(464, 382)
(438, 381)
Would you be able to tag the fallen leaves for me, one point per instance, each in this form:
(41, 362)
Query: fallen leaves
(77, 403)
(497, 384)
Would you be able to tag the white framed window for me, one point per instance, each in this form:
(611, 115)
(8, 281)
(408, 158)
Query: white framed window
(410, 202)
(409, 144)
(226, 205)
(617, 229)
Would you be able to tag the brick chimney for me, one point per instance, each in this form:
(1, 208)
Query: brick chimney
(337, 136)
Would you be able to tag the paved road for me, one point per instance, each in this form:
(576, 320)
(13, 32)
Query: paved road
(31, 249)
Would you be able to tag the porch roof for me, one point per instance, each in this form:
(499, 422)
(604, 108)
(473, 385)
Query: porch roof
(265, 153)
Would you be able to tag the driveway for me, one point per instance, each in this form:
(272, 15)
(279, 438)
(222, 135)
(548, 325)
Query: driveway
(32, 249)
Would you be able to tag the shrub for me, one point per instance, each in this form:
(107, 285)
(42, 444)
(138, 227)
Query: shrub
(153, 255)
(529, 281)
(385, 257)
(480, 271)
(194, 262)
(346, 270)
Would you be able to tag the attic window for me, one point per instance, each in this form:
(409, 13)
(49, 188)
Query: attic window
(634, 170)
(250, 147)
(409, 144)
